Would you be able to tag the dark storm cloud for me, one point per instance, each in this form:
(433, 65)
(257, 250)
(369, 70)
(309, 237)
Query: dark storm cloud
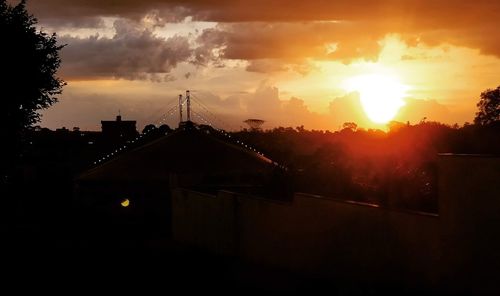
(171, 11)
(288, 29)
(293, 41)
(133, 53)
(426, 12)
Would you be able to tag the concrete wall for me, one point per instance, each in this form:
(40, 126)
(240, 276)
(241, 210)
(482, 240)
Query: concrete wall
(311, 235)
(334, 238)
(469, 205)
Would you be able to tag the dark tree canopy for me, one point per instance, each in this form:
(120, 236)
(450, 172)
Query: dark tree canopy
(351, 126)
(489, 107)
(30, 60)
(164, 128)
(148, 128)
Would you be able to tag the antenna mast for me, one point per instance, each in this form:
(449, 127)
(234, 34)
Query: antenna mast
(188, 105)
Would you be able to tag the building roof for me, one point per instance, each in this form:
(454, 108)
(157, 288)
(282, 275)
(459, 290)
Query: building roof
(182, 152)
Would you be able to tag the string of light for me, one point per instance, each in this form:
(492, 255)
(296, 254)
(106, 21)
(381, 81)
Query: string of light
(169, 103)
(159, 121)
(199, 102)
(202, 105)
(204, 119)
(241, 143)
(226, 134)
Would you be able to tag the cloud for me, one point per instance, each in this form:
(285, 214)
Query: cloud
(132, 53)
(92, 22)
(433, 11)
(266, 66)
(211, 43)
(463, 23)
(415, 110)
(265, 103)
(347, 108)
(292, 42)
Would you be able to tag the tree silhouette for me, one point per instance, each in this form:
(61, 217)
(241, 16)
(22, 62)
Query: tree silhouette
(351, 126)
(30, 60)
(148, 128)
(164, 129)
(489, 107)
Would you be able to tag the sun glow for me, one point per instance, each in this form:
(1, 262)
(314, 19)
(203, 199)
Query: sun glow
(381, 95)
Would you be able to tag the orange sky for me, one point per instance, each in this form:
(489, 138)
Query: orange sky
(286, 62)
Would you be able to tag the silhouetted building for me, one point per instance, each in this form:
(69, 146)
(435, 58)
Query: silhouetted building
(119, 130)
(135, 186)
(62, 130)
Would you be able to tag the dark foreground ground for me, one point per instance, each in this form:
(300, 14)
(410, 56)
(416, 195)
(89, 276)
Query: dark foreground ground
(44, 260)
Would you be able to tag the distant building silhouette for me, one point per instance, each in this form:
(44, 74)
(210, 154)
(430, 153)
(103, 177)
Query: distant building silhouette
(119, 130)
(62, 130)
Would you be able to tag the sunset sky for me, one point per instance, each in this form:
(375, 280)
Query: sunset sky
(288, 62)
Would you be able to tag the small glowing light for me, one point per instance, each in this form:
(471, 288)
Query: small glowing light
(125, 203)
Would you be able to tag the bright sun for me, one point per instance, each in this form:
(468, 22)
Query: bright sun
(381, 95)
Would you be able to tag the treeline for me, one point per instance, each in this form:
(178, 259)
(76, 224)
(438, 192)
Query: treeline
(396, 168)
